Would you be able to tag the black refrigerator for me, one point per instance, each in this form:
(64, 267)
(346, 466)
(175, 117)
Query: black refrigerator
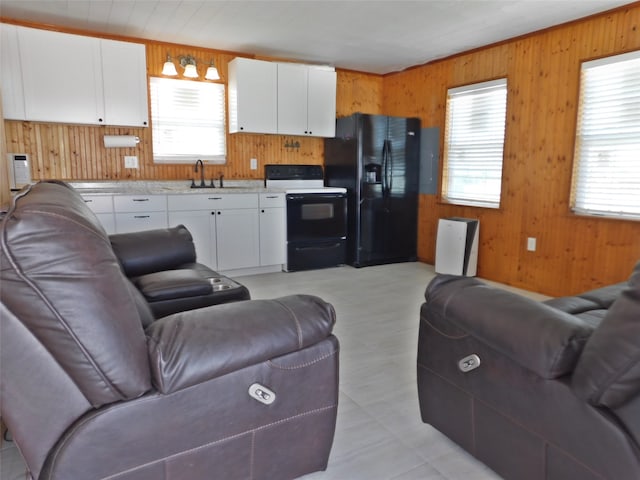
(376, 158)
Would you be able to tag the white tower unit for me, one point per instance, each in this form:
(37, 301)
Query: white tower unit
(457, 246)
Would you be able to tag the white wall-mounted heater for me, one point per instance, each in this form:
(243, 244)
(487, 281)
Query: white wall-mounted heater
(457, 246)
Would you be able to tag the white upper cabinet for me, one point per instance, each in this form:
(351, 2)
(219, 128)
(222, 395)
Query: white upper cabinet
(283, 98)
(69, 78)
(292, 99)
(306, 100)
(124, 74)
(252, 96)
(321, 102)
(61, 76)
(11, 73)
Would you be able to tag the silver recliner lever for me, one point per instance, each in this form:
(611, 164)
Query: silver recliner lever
(469, 363)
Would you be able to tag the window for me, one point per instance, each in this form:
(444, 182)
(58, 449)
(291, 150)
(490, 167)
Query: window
(606, 169)
(188, 121)
(474, 141)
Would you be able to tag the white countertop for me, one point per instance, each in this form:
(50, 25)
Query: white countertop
(153, 187)
(149, 187)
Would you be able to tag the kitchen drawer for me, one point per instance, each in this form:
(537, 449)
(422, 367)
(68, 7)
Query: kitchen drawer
(140, 203)
(271, 200)
(137, 221)
(99, 203)
(212, 201)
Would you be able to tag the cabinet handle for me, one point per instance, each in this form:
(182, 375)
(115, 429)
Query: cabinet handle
(272, 196)
(262, 210)
(215, 198)
(88, 201)
(140, 199)
(141, 216)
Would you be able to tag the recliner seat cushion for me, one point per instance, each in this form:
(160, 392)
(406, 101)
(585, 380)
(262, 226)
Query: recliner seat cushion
(608, 372)
(172, 284)
(58, 269)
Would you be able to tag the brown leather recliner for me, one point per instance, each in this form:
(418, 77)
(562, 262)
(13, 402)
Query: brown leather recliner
(162, 264)
(244, 390)
(535, 390)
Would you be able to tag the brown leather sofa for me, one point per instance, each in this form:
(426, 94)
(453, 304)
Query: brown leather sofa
(92, 387)
(535, 390)
(162, 264)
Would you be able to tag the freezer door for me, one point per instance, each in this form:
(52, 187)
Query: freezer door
(388, 210)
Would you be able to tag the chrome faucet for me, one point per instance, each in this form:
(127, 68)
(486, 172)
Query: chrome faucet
(220, 179)
(201, 172)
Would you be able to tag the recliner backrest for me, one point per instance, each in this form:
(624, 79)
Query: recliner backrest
(608, 372)
(61, 279)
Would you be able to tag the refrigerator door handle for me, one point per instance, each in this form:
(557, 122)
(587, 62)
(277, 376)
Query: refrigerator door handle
(390, 164)
(386, 157)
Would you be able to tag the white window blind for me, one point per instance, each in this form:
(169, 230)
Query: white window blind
(474, 142)
(188, 121)
(606, 171)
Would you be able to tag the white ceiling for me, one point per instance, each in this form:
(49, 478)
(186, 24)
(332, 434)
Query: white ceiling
(374, 36)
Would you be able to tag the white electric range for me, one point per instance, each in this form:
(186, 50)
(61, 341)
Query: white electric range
(316, 216)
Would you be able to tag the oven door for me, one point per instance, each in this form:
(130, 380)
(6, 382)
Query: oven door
(316, 216)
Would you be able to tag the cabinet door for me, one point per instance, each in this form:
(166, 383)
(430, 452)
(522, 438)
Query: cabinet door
(138, 221)
(252, 96)
(201, 224)
(237, 235)
(292, 99)
(124, 73)
(11, 73)
(140, 203)
(273, 231)
(108, 222)
(321, 102)
(61, 77)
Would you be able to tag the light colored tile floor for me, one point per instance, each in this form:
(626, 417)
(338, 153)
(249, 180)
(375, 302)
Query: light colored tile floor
(379, 434)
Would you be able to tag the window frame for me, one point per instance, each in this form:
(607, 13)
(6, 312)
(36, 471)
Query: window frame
(218, 153)
(587, 197)
(468, 92)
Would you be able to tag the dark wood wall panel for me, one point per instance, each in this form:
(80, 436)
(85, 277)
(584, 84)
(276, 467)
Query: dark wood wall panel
(543, 70)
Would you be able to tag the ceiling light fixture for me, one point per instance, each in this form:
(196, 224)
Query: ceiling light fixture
(189, 63)
(169, 68)
(212, 72)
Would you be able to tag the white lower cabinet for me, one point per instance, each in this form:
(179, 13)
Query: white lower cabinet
(225, 228)
(134, 213)
(273, 229)
(102, 206)
(237, 238)
(231, 232)
(202, 225)
(137, 221)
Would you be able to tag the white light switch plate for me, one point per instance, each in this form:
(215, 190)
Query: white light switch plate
(254, 163)
(531, 244)
(130, 161)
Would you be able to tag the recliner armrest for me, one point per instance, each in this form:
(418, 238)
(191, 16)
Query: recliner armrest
(151, 251)
(538, 337)
(192, 347)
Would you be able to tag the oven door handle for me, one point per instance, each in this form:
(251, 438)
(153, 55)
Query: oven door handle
(314, 196)
(318, 246)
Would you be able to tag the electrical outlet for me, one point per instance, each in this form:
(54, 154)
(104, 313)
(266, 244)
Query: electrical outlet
(531, 244)
(254, 163)
(130, 161)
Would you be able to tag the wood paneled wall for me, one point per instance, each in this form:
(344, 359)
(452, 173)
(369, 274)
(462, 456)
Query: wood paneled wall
(76, 152)
(574, 253)
(543, 71)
